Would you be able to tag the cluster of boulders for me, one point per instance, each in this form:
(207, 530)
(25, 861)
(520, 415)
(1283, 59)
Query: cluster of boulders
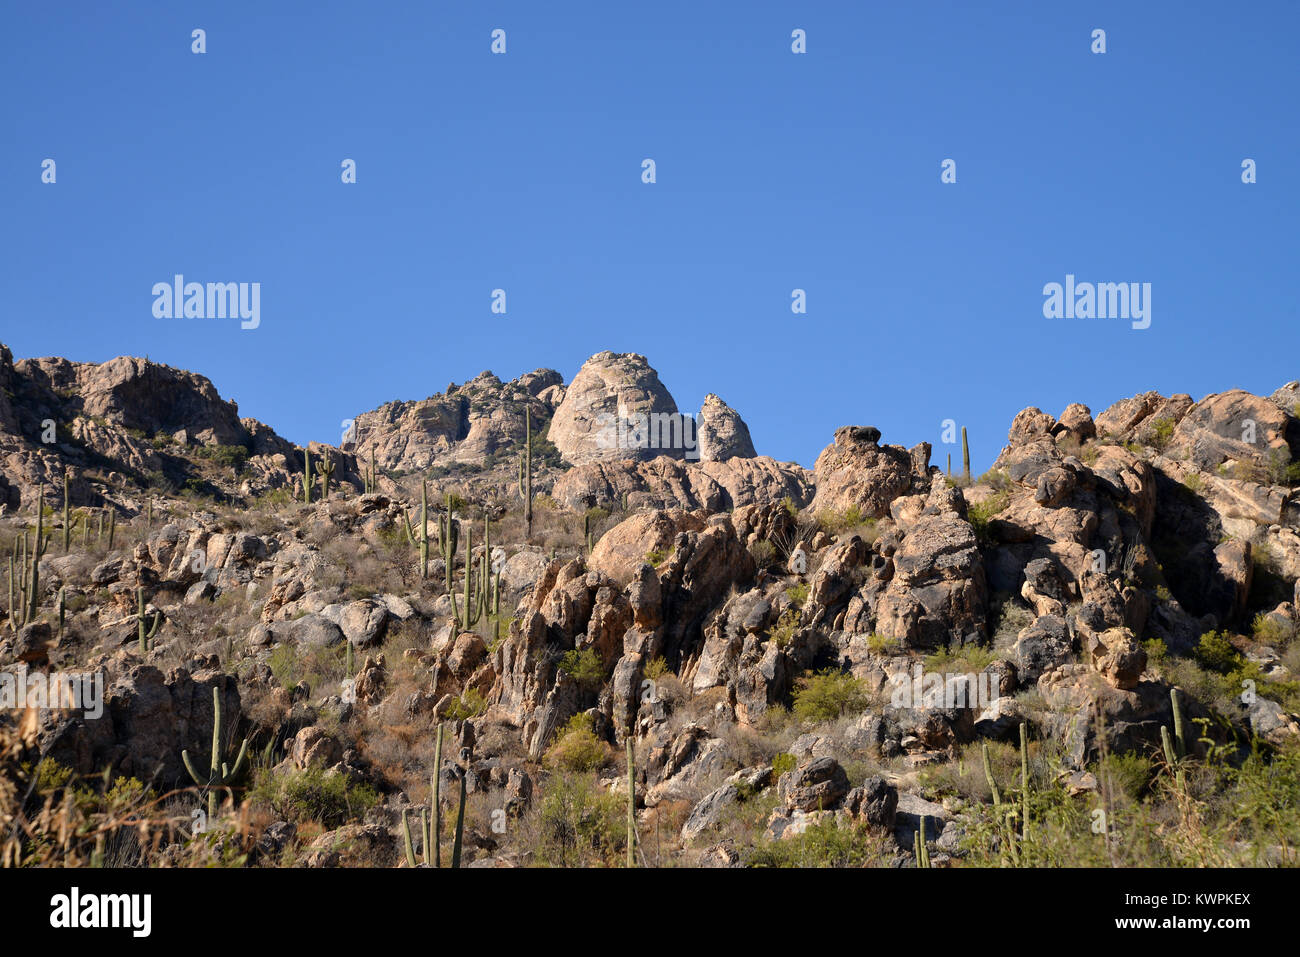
(1159, 518)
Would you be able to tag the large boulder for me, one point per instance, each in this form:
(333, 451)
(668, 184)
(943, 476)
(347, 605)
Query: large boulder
(722, 432)
(856, 471)
(616, 408)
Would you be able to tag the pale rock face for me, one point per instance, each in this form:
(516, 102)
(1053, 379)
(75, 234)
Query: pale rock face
(613, 390)
(723, 434)
(467, 423)
(855, 470)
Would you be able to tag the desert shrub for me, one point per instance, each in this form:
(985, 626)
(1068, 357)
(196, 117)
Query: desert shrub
(1162, 430)
(828, 695)
(981, 513)
(880, 645)
(798, 593)
(578, 824)
(995, 479)
(785, 627)
(656, 668)
(1270, 631)
(764, 554)
(1130, 774)
(331, 800)
(585, 666)
(1216, 652)
(824, 844)
(470, 704)
(963, 658)
(783, 763)
(577, 748)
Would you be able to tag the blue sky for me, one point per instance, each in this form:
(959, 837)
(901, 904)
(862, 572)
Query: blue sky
(775, 171)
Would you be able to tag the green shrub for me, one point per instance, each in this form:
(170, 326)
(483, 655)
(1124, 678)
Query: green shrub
(880, 645)
(470, 704)
(577, 748)
(798, 593)
(331, 800)
(963, 658)
(785, 627)
(579, 824)
(783, 763)
(981, 513)
(824, 844)
(1217, 653)
(585, 666)
(764, 554)
(1162, 430)
(828, 695)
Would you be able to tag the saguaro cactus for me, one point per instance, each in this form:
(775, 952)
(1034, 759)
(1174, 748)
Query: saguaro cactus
(1176, 749)
(144, 631)
(67, 523)
(462, 772)
(965, 456)
(306, 476)
(369, 476)
(220, 774)
(434, 837)
(325, 470)
(420, 541)
(631, 804)
(528, 472)
(1024, 781)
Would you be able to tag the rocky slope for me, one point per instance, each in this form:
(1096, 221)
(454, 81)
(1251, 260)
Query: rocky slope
(755, 629)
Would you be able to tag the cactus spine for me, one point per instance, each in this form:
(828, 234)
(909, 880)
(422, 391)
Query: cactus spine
(144, 631)
(220, 774)
(965, 457)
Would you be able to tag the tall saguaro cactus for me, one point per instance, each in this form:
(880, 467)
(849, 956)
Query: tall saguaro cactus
(325, 470)
(220, 773)
(528, 472)
(631, 804)
(965, 457)
(420, 541)
(67, 523)
(306, 476)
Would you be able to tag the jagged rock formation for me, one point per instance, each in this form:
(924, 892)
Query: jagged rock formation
(722, 433)
(1098, 550)
(468, 423)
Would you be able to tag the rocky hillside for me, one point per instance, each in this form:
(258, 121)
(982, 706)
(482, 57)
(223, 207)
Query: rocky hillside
(868, 662)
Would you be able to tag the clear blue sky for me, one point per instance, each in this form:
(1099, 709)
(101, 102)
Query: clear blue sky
(775, 171)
